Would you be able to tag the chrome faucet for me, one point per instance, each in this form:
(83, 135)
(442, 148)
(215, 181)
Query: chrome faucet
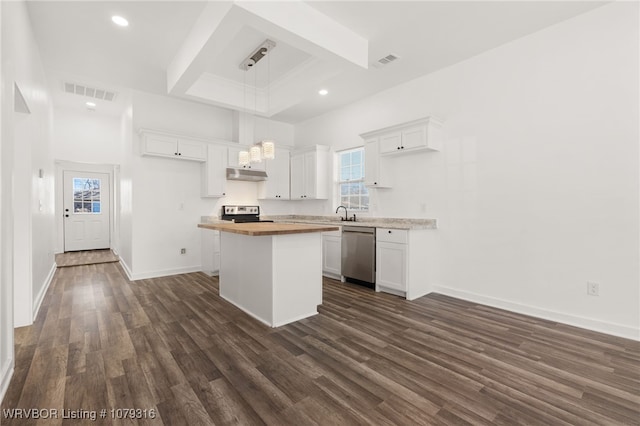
(345, 212)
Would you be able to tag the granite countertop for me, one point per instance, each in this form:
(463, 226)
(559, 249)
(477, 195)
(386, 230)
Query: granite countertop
(257, 229)
(377, 222)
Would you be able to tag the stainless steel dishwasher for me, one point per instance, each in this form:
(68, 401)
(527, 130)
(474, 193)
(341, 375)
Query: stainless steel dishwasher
(359, 254)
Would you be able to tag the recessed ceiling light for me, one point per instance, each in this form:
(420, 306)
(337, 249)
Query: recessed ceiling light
(91, 104)
(323, 92)
(119, 20)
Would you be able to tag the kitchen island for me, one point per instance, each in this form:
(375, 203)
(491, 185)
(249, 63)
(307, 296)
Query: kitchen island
(272, 271)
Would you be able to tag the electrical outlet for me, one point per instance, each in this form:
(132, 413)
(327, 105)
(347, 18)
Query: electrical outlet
(593, 289)
(183, 251)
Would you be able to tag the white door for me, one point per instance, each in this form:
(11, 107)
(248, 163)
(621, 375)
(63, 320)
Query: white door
(86, 210)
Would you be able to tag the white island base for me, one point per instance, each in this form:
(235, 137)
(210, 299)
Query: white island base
(276, 279)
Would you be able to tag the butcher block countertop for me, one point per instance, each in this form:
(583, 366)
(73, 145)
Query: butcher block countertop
(257, 229)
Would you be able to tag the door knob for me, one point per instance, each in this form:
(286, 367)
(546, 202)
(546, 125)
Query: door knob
(66, 215)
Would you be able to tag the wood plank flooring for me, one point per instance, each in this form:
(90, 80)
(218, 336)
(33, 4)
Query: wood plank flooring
(173, 345)
(88, 257)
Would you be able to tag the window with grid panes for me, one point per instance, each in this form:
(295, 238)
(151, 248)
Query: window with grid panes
(352, 192)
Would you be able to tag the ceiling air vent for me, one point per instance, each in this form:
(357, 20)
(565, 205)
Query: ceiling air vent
(385, 60)
(91, 92)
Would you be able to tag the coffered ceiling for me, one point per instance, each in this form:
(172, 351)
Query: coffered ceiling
(193, 50)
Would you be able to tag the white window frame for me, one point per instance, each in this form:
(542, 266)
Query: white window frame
(340, 182)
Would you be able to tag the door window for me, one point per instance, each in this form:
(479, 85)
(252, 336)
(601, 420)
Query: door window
(86, 196)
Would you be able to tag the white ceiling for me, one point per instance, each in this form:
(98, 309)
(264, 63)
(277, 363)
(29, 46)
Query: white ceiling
(193, 49)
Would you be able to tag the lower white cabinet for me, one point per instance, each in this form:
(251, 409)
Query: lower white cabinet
(402, 262)
(391, 266)
(210, 251)
(332, 254)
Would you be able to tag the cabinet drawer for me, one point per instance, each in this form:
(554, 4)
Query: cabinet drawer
(337, 234)
(400, 236)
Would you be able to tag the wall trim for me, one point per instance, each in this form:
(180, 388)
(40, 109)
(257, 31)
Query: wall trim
(5, 377)
(163, 273)
(126, 269)
(43, 291)
(618, 330)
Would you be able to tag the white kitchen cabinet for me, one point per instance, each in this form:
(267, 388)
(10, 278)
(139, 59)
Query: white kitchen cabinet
(210, 251)
(376, 172)
(166, 145)
(332, 254)
(391, 259)
(214, 178)
(233, 159)
(402, 262)
(424, 134)
(310, 173)
(277, 185)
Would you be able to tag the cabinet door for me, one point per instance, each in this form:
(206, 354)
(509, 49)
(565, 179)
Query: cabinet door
(297, 177)
(371, 162)
(276, 187)
(331, 255)
(214, 177)
(310, 175)
(390, 142)
(414, 137)
(376, 173)
(192, 150)
(391, 265)
(165, 146)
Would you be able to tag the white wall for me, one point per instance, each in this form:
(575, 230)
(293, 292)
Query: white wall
(84, 136)
(536, 191)
(166, 192)
(6, 225)
(27, 200)
(124, 210)
(33, 201)
(87, 141)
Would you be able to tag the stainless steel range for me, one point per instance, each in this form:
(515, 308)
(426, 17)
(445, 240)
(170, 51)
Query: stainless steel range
(242, 214)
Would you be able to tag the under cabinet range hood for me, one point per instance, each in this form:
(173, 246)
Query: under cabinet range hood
(246, 174)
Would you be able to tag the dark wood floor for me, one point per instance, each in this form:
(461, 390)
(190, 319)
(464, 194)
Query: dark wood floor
(172, 345)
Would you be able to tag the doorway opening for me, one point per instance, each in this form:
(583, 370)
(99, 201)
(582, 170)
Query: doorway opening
(85, 206)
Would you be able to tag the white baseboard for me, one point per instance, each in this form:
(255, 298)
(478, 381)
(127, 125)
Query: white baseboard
(5, 377)
(574, 320)
(43, 291)
(161, 273)
(126, 268)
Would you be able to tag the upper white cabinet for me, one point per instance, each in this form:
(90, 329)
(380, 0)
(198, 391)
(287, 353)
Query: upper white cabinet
(167, 145)
(214, 179)
(376, 174)
(233, 159)
(277, 185)
(310, 173)
(424, 134)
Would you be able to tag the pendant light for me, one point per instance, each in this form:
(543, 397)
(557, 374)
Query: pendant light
(243, 156)
(264, 149)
